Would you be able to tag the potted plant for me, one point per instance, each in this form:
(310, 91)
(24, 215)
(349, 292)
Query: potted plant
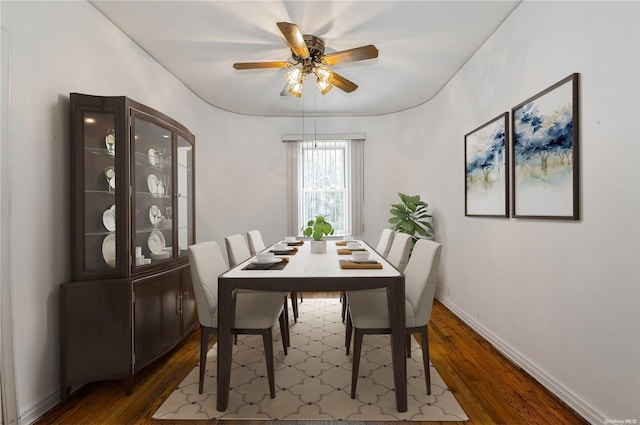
(317, 229)
(411, 217)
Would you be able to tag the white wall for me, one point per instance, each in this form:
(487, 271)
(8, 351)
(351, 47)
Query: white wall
(572, 323)
(562, 298)
(58, 48)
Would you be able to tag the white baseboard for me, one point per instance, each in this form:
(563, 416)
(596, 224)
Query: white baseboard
(563, 393)
(32, 414)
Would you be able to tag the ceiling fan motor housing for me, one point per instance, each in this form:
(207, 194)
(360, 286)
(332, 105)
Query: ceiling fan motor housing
(315, 45)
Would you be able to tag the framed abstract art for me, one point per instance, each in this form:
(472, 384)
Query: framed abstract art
(486, 154)
(545, 153)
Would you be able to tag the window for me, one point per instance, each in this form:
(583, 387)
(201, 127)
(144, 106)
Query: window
(325, 178)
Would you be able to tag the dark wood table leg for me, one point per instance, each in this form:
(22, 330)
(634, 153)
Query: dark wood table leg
(226, 313)
(396, 300)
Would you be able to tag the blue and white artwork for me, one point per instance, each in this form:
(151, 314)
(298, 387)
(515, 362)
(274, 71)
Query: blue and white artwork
(486, 169)
(544, 146)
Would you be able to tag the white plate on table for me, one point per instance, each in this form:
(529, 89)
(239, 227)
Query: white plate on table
(109, 218)
(156, 242)
(264, 263)
(286, 249)
(109, 250)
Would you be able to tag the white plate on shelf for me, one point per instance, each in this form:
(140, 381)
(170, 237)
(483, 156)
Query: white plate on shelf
(152, 183)
(109, 218)
(154, 214)
(161, 256)
(271, 261)
(161, 188)
(112, 182)
(109, 250)
(110, 141)
(153, 157)
(156, 242)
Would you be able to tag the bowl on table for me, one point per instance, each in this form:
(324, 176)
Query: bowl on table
(360, 255)
(264, 257)
(353, 245)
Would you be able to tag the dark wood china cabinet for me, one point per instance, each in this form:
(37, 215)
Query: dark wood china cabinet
(132, 218)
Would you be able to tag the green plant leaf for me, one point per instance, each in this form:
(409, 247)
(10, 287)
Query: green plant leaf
(326, 228)
(317, 235)
(394, 220)
(408, 227)
(307, 231)
(421, 231)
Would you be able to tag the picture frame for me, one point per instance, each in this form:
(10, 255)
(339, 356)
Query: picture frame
(486, 157)
(545, 147)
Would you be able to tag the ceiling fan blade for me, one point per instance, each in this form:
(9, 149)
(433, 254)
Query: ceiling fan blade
(342, 83)
(294, 39)
(285, 91)
(256, 65)
(351, 55)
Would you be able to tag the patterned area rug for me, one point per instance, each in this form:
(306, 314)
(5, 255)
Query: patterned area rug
(313, 382)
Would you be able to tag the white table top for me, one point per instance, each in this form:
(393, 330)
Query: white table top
(306, 264)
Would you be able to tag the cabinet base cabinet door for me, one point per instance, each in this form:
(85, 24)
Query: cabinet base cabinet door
(189, 311)
(95, 332)
(157, 317)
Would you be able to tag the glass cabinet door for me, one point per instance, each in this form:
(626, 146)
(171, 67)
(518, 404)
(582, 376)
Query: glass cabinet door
(184, 194)
(152, 157)
(99, 145)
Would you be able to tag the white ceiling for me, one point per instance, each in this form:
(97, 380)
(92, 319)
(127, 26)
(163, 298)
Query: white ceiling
(421, 44)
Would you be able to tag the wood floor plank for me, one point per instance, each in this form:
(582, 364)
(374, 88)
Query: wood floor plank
(490, 388)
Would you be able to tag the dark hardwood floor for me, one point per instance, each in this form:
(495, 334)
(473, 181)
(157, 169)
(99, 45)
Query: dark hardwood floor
(490, 388)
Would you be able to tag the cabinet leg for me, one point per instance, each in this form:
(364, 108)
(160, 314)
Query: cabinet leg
(128, 384)
(65, 393)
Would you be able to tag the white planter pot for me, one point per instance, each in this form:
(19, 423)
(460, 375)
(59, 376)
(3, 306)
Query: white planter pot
(318, 247)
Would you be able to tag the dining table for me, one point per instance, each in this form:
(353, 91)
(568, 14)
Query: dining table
(299, 270)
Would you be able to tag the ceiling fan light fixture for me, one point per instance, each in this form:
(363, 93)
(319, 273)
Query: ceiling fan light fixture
(296, 89)
(322, 72)
(324, 86)
(294, 76)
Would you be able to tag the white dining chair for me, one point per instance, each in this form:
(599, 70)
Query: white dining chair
(237, 249)
(384, 243)
(256, 244)
(255, 312)
(399, 252)
(368, 312)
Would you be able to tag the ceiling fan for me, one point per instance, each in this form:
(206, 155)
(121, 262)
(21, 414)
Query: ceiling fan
(309, 58)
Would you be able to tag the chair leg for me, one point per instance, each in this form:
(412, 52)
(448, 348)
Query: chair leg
(267, 340)
(343, 298)
(424, 340)
(301, 299)
(349, 331)
(294, 306)
(285, 310)
(283, 331)
(204, 347)
(408, 345)
(357, 348)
